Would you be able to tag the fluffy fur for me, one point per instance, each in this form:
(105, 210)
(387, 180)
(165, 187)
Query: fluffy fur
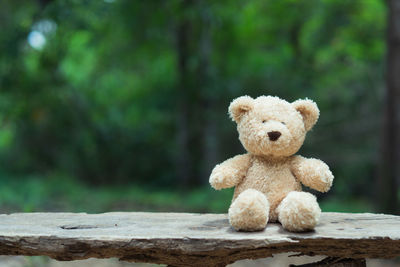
(268, 178)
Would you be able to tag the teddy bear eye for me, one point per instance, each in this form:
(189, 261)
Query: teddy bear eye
(264, 121)
(283, 122)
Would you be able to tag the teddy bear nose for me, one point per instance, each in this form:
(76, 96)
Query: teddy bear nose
(273, 136)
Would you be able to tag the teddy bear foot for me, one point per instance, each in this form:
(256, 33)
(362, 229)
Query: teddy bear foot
(249, 211)
(299, 211)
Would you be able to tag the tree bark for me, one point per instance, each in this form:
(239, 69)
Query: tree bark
(390, 172)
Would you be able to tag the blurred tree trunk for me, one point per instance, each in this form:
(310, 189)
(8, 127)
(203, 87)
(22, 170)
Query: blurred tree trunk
(44, 3)
(196, 127)
(184, 161)
(207, 83)
(390, 172)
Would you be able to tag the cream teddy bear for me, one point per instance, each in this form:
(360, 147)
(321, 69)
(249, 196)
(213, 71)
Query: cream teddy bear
(268, 178)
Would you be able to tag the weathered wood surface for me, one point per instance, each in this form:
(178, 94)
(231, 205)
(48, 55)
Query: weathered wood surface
(182, 239)
(335, 262)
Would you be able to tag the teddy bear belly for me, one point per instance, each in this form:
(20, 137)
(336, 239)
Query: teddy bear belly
(274, 186)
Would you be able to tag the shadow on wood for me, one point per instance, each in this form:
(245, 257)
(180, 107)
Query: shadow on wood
(335, 262)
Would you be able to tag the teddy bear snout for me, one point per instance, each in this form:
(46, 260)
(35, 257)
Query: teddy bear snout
(274, 135)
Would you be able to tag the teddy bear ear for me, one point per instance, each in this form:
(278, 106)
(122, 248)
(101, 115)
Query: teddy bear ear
(240, 106)
(308, 110)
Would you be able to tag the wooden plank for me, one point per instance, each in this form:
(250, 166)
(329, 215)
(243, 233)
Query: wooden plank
(181, 239)
(335, 262)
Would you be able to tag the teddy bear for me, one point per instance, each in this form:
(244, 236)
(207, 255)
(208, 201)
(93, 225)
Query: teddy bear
(268, 178)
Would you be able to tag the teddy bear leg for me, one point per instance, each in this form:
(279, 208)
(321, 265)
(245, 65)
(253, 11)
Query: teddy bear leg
(299, 211)
(249, 211)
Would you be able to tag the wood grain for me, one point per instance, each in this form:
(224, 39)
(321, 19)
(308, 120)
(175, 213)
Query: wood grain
(182, 239)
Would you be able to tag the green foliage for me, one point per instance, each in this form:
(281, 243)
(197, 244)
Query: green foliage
(133, 92)
(60, 193)
(57, 192)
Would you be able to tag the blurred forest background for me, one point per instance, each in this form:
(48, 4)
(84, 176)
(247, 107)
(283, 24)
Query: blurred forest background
(122, 105)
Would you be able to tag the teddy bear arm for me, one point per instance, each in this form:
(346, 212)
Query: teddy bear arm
(230, 172)
(313, 173)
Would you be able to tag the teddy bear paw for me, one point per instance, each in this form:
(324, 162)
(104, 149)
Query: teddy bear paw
(316, 175)
(326, 178)
(299, 211)
(222, 177)
(249, 211)
(216, 180)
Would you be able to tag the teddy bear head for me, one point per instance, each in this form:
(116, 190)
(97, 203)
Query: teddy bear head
(270, 126)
